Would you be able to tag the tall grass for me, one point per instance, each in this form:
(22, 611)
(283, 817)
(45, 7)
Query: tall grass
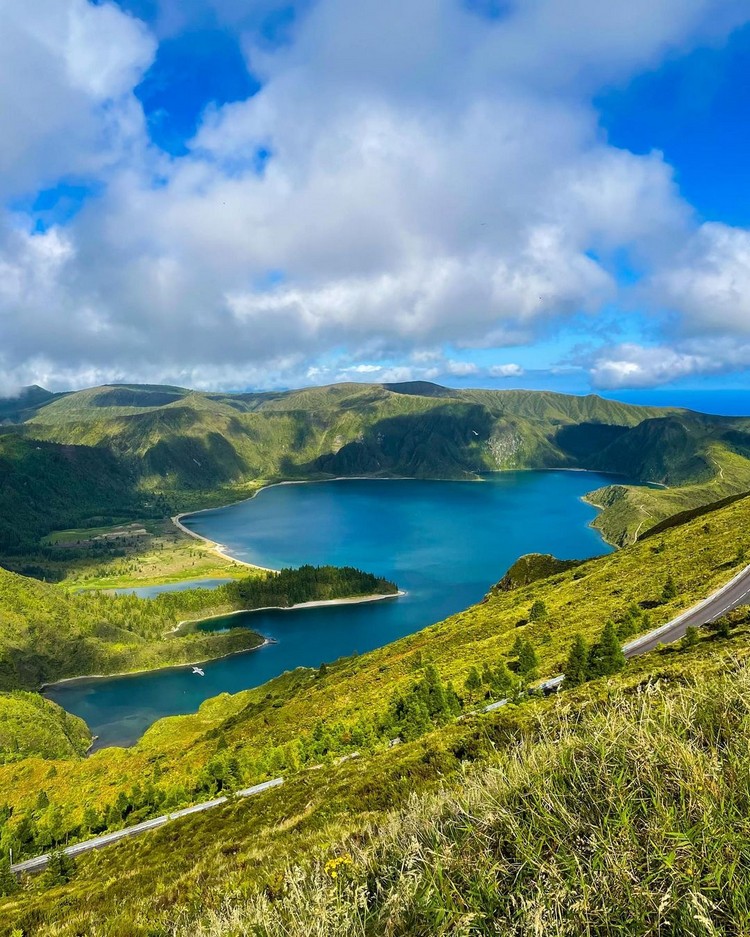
(635, 820)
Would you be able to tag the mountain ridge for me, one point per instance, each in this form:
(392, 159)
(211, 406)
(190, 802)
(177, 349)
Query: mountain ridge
(189, 449)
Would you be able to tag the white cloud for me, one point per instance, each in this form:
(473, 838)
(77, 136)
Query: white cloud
(633, 365)
(709, 283)
(436, 180)
(506, 370)
(67, 70)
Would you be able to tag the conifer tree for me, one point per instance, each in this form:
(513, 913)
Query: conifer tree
(504, 680)
(691, 637)
(527, 660)
(577, 664)
(670, 589)
(538, 611)
(606, 656)
(8, 881)
(473, 683)
(453, 700)
(60, 868)
(416, 720)
(42, 801)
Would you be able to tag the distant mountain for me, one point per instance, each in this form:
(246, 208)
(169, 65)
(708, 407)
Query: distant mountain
(21, 406)
(191, 448)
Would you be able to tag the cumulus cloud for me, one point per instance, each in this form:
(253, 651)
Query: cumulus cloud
(67, 70)
(710, 280)
(434, 179)
(506, 370)
(634, 365)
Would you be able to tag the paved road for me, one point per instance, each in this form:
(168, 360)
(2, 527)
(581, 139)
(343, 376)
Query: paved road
(39, 862)
(732, 595)
(735, 593)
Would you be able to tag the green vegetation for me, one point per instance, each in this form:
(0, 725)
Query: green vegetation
(306, 584)
(603, 659)
(531, 568)
(636, 785)
(362, 704)
(146, 451)
(48, 487)
(142, 553)
(550, 827)
(32, 725)
(47, 634)
(506, 808)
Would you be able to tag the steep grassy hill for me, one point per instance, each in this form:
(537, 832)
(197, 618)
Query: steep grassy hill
(33, 726)
(47, 634)
(360, 704)
(190, 449)
(47, 487)
(619, 807)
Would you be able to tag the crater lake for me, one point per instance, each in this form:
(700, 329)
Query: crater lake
(445, 543)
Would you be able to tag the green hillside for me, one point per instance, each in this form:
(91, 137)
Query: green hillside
(361, 704)
(33, 726)
(623, 797)
(157, 448)
(47, 634)
(48, 487)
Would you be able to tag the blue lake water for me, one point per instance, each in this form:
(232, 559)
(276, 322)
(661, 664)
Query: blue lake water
(148, 592)
(445, 543)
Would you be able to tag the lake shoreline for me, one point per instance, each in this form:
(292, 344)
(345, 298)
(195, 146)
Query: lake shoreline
(352, 600)
(221, 550)
(134, 673)
(448, 542)
(322, 603)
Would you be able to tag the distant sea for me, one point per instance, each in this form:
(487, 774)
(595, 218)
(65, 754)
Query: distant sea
(721, 402)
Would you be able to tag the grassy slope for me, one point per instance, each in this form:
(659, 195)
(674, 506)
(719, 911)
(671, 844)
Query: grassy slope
(47, 634)
(31, 725)
(622, 802)
(164, 555)
(272, 729)
(199, 449)
(629, 512)
(47, 486)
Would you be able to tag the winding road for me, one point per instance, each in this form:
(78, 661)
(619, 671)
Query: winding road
(39, 862)
(730, 596)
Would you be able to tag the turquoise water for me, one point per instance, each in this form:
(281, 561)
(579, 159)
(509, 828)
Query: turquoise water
(445, 543)
(148, 592)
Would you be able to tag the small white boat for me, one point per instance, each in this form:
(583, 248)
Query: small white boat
(199, 671)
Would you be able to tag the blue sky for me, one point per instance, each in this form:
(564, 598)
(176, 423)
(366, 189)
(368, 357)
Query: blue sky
(519, 193)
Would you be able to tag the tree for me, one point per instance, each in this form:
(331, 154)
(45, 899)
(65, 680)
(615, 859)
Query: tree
(691, 637)
(538, 611)
(92, 822)
(577, 664)
(8, 881)
(416, 720)
(527, 660)
(606, 657)
(473, 683)
(42, 801)
(721, 627)
(503, 681)
(60, 868)
(670, 589)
